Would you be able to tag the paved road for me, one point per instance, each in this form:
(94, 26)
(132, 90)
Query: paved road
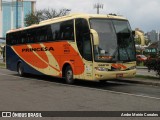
(40, 93)
(145, 72)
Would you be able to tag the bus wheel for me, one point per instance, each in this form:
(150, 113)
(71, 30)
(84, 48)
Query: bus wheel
(69, 75)
(20, 70)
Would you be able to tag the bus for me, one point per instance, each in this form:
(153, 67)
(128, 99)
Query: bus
(76, 46)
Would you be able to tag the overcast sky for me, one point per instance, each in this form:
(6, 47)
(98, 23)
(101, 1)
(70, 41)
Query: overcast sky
(144, 14)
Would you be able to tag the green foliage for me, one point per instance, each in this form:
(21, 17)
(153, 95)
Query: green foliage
(40, 15)
(30, 19)
(154, 64)
(2, 65)
(138, 41)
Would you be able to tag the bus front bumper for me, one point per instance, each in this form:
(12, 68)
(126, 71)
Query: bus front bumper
(105, 75)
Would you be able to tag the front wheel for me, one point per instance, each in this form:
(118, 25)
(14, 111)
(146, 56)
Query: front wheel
(69, 75)
(20, 70)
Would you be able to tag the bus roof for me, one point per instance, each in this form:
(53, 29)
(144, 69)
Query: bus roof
(67, 17)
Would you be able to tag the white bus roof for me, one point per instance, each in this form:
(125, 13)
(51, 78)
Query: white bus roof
(67, 17)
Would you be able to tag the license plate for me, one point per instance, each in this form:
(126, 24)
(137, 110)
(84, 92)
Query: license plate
(119, 75)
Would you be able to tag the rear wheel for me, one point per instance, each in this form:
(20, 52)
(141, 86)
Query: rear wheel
(69, 75)
(20, 69)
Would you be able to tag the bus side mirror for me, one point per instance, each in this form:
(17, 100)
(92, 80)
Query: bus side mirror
(95, 37)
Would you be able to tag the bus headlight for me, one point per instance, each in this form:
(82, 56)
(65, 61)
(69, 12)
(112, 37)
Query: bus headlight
(101, 69)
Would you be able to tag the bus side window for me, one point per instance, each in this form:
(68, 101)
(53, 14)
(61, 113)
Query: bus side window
(49, 33)
(67, 30)
(24, 37)
(11, 38)
(42, 34)
(83, 38)
(14, 38)
(56, 31)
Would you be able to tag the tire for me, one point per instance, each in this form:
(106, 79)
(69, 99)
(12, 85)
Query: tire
(20, 70)
(69, 75)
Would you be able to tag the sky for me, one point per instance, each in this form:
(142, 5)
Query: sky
(143, 14)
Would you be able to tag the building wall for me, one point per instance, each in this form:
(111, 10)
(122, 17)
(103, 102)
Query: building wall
(140, 34)
(153, 36)
(7, 8)
(6, 16)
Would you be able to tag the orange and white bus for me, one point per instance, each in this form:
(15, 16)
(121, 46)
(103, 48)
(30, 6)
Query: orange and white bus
(76, 46)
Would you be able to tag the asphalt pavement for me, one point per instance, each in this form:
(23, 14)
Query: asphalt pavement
(40, 93)
(44, 93)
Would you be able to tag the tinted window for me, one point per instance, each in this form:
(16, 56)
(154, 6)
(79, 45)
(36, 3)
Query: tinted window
(83, 38)
(31, 36)
(67, 30)
(57, 31)
(49, 33)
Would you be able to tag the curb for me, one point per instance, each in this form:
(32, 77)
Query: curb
(139, 67)
(140, 81)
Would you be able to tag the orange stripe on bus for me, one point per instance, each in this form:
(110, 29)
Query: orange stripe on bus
(42, 54)
(30, 57)
(61, 57)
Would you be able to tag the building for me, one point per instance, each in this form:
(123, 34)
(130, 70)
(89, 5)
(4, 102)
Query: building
(153, 36)
(140, 35)
(13, 16)
(153, 49)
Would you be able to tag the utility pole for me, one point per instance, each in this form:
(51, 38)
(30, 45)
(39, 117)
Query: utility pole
(98, 6)
(22, 15)
(1, 23)
(12, 16)
(16, 13)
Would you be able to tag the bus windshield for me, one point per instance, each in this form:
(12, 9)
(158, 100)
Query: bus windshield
(116, 42)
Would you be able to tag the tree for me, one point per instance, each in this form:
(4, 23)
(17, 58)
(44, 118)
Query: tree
(40, 15)
(32, 18)
(137, 40)
(147, 42)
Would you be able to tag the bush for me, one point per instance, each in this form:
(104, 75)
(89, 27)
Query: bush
(154, 64)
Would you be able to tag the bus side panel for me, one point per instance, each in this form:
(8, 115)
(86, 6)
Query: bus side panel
(65, 52)
(12, 60)
(47, 58)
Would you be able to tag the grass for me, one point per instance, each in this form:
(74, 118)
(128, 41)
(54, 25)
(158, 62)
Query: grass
(140, 64)
(2, 65)
(147, 77)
